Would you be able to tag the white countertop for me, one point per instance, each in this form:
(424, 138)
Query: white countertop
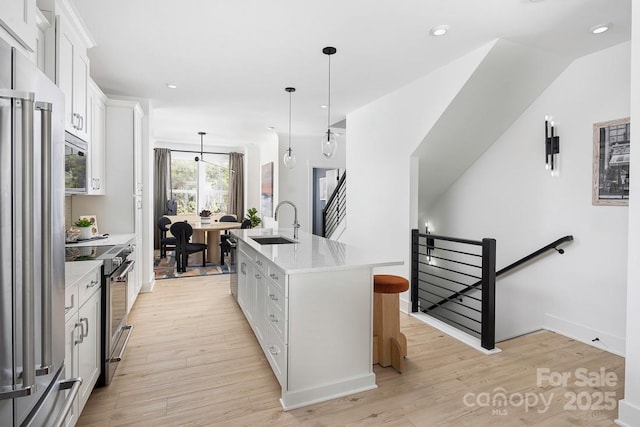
(114, 239)
(312, 253)
(74, 271)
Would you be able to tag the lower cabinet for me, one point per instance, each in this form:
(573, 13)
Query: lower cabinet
(82, 337)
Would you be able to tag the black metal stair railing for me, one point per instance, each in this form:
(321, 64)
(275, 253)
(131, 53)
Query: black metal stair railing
(450, 283)
(336, 208)
(553, 245)
(442, 266)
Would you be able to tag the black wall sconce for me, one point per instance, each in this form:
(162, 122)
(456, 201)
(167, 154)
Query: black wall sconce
(551, 144)
(430, 244)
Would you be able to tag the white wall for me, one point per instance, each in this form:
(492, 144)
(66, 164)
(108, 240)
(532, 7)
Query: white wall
(507, 194)
(382, 135)
(629, 412)
(295, 184)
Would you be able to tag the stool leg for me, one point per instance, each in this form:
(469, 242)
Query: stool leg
(402, 339)
(397, 357)
(390, 326)
(377, 328)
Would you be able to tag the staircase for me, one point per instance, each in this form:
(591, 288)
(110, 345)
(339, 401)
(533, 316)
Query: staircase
(334, 213)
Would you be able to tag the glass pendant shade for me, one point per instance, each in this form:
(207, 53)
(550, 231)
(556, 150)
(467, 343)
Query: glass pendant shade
(289, 158)
(329, 144)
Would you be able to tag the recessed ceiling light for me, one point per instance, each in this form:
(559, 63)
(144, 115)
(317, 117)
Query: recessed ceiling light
(271, 127)
(323, 106)
(599, 29)
(440, 30)
(171, 86)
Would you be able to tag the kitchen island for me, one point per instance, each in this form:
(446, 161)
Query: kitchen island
(310, 304)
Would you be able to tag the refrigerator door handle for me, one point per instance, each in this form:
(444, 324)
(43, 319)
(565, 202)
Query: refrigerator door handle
(73, 384)
(24, 100)
(46, 364)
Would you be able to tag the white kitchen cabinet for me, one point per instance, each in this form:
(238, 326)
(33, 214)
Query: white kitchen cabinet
(119, 210)
(82, 336)
(17, 17)
(97, 158)
(72, 73)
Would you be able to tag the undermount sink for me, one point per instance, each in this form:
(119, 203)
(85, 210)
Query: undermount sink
(273, 240)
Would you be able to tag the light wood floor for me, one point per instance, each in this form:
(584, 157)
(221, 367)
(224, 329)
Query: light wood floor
(193, 361)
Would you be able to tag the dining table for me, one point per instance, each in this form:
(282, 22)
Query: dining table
(209, 233)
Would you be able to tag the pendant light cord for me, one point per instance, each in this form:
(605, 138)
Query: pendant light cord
(329, 103)
(290, 123)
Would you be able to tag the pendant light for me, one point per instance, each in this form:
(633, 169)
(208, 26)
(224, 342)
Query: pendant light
(289, 158)
(329, 142)
(201, 158)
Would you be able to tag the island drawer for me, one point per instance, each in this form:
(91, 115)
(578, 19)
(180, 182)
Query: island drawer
(261, 263)
(276, 352)
(277, 276)
(276, 314)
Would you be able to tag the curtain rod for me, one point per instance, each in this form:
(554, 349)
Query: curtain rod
(195, 152)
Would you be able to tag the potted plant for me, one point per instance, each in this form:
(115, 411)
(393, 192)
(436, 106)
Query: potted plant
(84, 225)
(205, 216)
(252, 215)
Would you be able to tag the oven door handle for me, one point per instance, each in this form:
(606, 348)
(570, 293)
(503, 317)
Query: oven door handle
(121, 274)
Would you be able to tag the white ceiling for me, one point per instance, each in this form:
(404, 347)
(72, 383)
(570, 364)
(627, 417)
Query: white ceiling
(231, 60)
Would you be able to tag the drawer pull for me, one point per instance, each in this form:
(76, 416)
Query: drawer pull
(70, 307)
(92, 284)
(273, 318)
(273, 297)
(274, 350)
(259, 263)
(274, 276)
(257, 276)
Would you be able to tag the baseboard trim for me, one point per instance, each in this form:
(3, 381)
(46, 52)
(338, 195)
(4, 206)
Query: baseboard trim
(454, 333)
(585, 334)
(628, 414)
(148, 287)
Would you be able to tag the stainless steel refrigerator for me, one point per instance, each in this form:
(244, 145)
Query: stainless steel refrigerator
(33, 387)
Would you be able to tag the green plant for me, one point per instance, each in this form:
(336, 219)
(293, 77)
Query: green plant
(205, 213)
(252, 215)
(83, 222)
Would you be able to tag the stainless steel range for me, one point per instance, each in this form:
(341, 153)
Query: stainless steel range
(116, 266)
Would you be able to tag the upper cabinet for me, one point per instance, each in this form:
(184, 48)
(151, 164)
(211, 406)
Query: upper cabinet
(96, 101)
(18, 19)
(72, 77)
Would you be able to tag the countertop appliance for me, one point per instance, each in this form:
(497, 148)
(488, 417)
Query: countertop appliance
(117, 263)
(33, 388)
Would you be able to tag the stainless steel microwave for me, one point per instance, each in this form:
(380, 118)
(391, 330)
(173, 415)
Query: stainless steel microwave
(75, 164)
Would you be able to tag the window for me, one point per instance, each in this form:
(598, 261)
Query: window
(199, 185)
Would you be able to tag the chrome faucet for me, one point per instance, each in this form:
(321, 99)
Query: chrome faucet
(296, 225)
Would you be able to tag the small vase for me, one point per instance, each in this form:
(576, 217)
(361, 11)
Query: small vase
(85, 233)
(205, 220)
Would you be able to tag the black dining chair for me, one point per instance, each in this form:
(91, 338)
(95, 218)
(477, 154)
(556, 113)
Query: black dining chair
(182, 232)
(165, 242)
(225, 246)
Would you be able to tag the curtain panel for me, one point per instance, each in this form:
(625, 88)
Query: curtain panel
(162, 187)
(236, 185)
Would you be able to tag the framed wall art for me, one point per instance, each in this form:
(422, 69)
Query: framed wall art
(266, 192)
(611, 152)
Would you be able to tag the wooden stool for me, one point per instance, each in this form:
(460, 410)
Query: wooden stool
(389, 344)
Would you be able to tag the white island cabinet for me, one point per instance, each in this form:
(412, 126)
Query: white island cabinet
(310, 305)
